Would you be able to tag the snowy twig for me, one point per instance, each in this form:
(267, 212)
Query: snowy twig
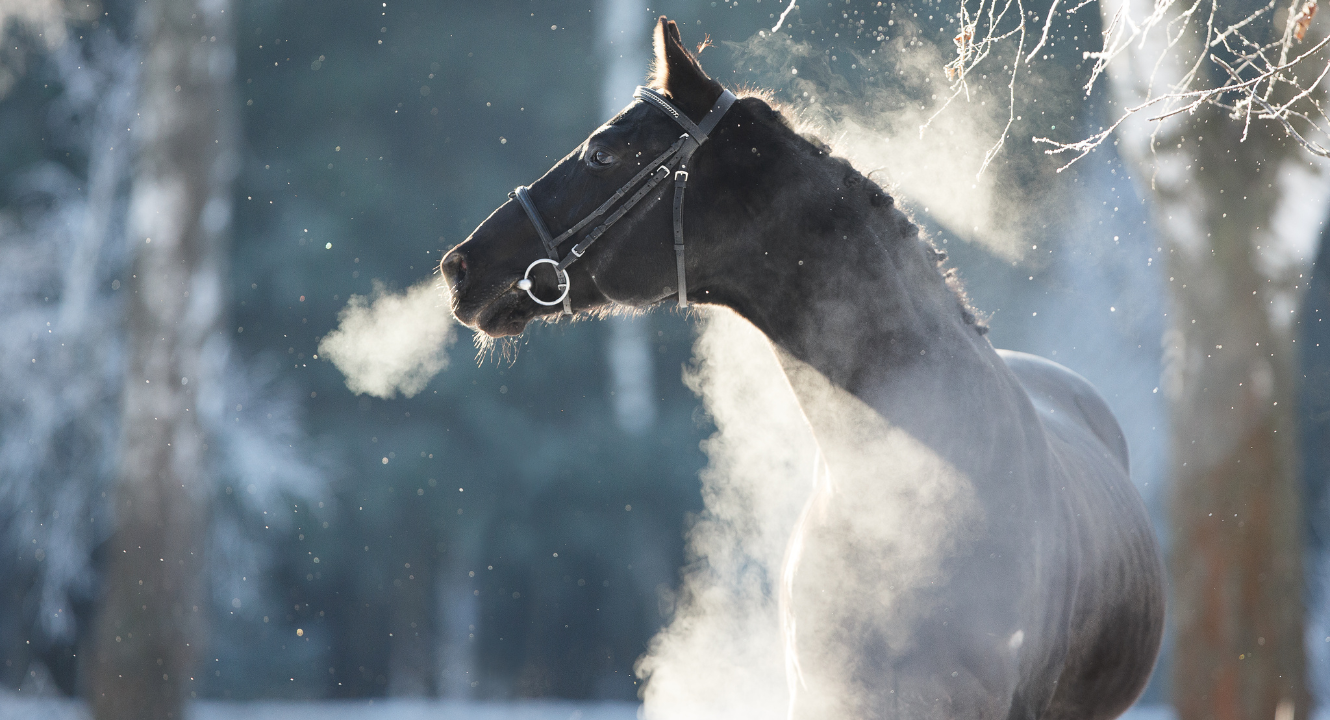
(1043, 38)
(781, 20)
(1254, 75)
(970, 52)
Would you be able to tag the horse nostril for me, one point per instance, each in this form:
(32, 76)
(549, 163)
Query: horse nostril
(453, 268)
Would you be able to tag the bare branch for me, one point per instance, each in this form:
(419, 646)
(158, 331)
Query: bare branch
(1258, 58)
(1043, 38)
(781, 20)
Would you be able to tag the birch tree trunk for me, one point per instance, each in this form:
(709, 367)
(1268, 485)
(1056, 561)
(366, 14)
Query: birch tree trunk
(1235, 510)
(412, 664)
(150, 623)
(624, 42)
(1235, 560)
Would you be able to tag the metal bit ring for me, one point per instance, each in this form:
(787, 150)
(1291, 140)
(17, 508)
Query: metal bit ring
(564, 284)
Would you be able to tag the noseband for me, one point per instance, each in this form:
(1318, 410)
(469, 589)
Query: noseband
(674, 160)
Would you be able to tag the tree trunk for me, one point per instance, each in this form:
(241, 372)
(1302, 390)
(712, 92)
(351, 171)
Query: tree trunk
(623, 40)
(150, 624)
(1221, 204)
(1314, 424)
(1235, 561)
(413, 671)
(1233, 211)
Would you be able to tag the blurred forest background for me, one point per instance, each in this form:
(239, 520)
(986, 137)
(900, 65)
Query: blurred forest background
(516, 528)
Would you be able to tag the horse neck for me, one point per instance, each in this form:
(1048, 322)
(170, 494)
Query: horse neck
(858, 308)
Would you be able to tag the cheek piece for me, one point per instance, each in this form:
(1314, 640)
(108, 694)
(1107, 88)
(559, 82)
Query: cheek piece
(672, 161)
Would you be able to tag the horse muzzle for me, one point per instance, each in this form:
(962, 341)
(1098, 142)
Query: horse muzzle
(498, 306)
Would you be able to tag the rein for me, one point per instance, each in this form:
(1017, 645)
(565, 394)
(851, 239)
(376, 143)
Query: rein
(674, 160)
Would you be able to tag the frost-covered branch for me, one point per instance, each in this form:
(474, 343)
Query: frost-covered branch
(1252, 68)
(1259, 81)
(970, 52)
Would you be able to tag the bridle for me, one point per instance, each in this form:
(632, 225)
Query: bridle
(675, 160)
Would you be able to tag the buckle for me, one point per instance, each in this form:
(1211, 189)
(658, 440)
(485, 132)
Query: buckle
(681, 175)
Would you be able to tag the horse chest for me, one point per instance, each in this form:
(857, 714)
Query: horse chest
(903, 563)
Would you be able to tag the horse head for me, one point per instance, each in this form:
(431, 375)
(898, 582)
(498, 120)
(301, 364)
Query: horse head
(525, 261)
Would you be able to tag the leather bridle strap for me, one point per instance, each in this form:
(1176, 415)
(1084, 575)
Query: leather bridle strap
(701, 130)
(551, 247)
(697, 135)
(650, 167)
(675, 160)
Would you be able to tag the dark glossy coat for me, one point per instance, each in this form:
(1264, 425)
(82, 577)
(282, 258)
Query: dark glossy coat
(977, 549)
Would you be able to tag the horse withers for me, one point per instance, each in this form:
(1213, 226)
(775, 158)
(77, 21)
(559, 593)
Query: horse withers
(975, 548)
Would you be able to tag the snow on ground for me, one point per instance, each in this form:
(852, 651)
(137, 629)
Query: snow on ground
(46, 708)
(12, 708)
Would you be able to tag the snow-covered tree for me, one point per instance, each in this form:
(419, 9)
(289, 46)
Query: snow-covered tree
(151, 619)
(62, 267)
(1237, 201)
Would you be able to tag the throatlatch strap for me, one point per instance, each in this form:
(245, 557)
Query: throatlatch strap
(697, 134)
(680, 184)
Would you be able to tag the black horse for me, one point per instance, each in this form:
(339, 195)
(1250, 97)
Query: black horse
(977, 549)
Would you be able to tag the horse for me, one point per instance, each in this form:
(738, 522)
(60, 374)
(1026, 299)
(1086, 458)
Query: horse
(975, 548)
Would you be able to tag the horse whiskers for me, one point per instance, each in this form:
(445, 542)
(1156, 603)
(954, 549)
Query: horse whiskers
(504, 350)
(488, 348)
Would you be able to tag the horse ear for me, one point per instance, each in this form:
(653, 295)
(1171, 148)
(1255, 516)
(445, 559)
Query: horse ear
(678, 75)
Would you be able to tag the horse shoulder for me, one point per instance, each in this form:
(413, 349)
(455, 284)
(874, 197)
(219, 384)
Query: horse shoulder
(1117, 620)
(1061, 396)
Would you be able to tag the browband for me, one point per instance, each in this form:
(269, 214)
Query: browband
(699, 131)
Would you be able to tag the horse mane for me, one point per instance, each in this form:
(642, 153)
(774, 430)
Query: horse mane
(906, 226)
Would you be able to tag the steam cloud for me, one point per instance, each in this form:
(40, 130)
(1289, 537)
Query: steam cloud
(388, 343)
(802, 545)
(884, 118)
(722, 655)
(868, 518)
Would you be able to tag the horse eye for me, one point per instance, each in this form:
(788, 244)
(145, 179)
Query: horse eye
(602, 158)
